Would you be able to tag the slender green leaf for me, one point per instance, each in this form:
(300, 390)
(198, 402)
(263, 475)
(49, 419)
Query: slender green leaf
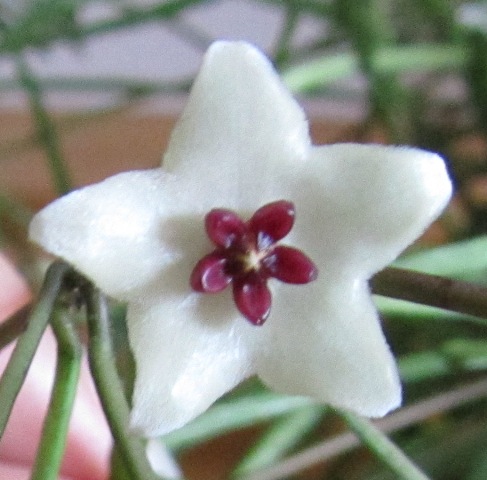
(234, 414)
(387, 60)
(280, 438)
(382, 447)
(467, 353)
(465, 260)
(416, 367)
(18, 365)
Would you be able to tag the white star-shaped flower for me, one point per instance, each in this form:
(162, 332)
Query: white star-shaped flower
(242, 143)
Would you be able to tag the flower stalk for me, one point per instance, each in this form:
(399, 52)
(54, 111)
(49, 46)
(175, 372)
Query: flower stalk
(432, 290)
(24, 351)
(109, 387)
(55, 431)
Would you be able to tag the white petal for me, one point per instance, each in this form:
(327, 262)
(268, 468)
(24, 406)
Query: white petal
(109, 231)
(161, 460)
(188, 352)
(240, 129)
(327, 343)
(363, 204)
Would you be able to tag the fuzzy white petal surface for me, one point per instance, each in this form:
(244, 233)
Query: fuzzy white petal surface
(325, 341)
(239, 131)
(364, 204)
(161, 460)
(188, 351)
(123, 233)
(357, 208)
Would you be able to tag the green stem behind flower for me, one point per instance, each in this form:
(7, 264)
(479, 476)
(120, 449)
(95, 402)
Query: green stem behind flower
(432, 290)
(117, 466)
(54, 435)
(405, 417)
(45, 129)
(110, 390)
(383, 448)
(283, 43)
(14, 375)
(135, 16)
(279, 439)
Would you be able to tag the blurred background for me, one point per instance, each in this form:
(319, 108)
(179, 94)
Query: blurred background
(90, 88)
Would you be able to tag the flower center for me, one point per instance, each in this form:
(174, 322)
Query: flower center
(247, 255)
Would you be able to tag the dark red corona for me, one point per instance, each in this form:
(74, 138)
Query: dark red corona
(247, 255)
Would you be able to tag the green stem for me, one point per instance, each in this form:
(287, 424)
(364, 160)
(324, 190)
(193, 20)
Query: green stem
(45, 129)
(135, 16)
(279, 439)
(192, 35)
(441, 14)
(403, 418)
(23, 353)
(38, 32)
(69, 124)
(117, 466)
(313, 7)
(432, 290)
(88, 84)
(110, 390)
(367, 26)
(476, 74)
(54, 435)
(234, 414)
(382, 447)
(20, 214)
(284, 41)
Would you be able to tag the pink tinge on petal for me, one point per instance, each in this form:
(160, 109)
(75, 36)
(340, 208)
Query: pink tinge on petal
(209, 274)
(253, 299)
(290, 265)
(14, 292)
(272, 222)
(224, 227)
(89, 441)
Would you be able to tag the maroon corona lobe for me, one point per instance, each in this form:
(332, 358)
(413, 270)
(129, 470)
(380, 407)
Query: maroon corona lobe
(247, 255)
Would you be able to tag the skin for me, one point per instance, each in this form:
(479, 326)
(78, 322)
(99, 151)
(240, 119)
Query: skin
(89, 440)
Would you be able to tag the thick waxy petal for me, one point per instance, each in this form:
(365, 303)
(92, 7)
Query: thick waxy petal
(188, 352)
(364, 204)
(108, 231)
(327, 343)
(290, 265)
(209, 274)
(126, 234)
(239, 132)
(224, 227)
(253, 299)
(272, 222)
